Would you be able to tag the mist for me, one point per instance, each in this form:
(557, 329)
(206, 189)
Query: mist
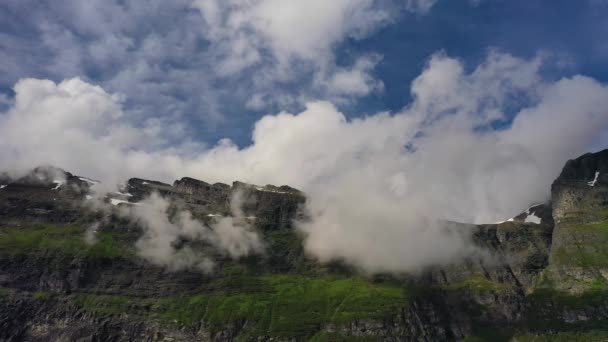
(231, 236)
(474, 146)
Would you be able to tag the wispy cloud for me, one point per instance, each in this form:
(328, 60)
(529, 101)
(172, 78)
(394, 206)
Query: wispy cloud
(231, 236)
(201, 60)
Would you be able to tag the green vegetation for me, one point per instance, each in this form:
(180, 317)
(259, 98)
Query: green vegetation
(580, 252)
(282, 305)
(291, 305)
(477, 284)
(4, 292)
(547, 306)
(324, 336)
(586, 247)
(474, 339)
(284, 244)
(582, 336)
(107, 305)
(59, 240)
(564, 300)
(260, 295)
(42, 296)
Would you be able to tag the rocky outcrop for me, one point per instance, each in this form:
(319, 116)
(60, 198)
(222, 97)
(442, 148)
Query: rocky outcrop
(46, 194)
(580, 209)
(272, 207)
(214, 198)
(581, 186)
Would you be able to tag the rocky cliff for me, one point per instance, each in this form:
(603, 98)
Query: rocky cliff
(542, 275)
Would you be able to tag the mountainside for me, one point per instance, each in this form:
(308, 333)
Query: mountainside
(543, 275)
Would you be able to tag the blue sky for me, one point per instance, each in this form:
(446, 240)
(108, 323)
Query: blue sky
(163, 59)
(574, 33)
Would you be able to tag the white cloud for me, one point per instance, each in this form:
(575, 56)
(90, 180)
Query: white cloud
(285, 39)
(445, 88)
(420, 6)
(287, 29)
(204, 59)
(232, 236)
(356, 80)
(82, 127)
(161, 66)
(377, 185)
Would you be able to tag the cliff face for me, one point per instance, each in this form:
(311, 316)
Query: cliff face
(542, 275)
(579, 254)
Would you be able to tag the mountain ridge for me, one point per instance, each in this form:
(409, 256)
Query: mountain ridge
(538, 283)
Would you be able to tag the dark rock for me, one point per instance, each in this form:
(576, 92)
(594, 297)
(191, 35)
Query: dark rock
(580, 239)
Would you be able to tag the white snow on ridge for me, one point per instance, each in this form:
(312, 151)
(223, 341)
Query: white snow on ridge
(59, 184)
(214, 215)
(531, 218)
(115, 201)
(144, 183)
(594, 181)
(259, 188)
(3, 186)
(90, 181)
(89, 197)
(123, 194)
(532, 206)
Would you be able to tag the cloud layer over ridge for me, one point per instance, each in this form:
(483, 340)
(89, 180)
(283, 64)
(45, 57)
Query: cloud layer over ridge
(474, 146)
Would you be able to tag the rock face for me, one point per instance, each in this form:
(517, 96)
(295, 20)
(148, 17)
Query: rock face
(46, 194)
(582, 185)
(541, 274)
(580, 240)
(272, 207)
(214, 197)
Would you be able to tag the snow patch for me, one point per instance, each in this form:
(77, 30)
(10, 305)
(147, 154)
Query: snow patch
(259, 188)
(89, 197)
(115, 201)
(594, 181)
(3, 186)
(59, 184)
(214, 215)
(88, 180)
(509, 220)
(531, 218)
(123, 194)
(144, 183)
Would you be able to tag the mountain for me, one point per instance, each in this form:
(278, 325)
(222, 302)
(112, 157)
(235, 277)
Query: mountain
(543, 275)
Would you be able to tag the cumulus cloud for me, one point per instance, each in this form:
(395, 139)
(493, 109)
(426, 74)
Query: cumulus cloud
(74, 122)
(172, 69)
(114, 43)
(287, 39)
(356, 80)
(476, 146)
(305, 30)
